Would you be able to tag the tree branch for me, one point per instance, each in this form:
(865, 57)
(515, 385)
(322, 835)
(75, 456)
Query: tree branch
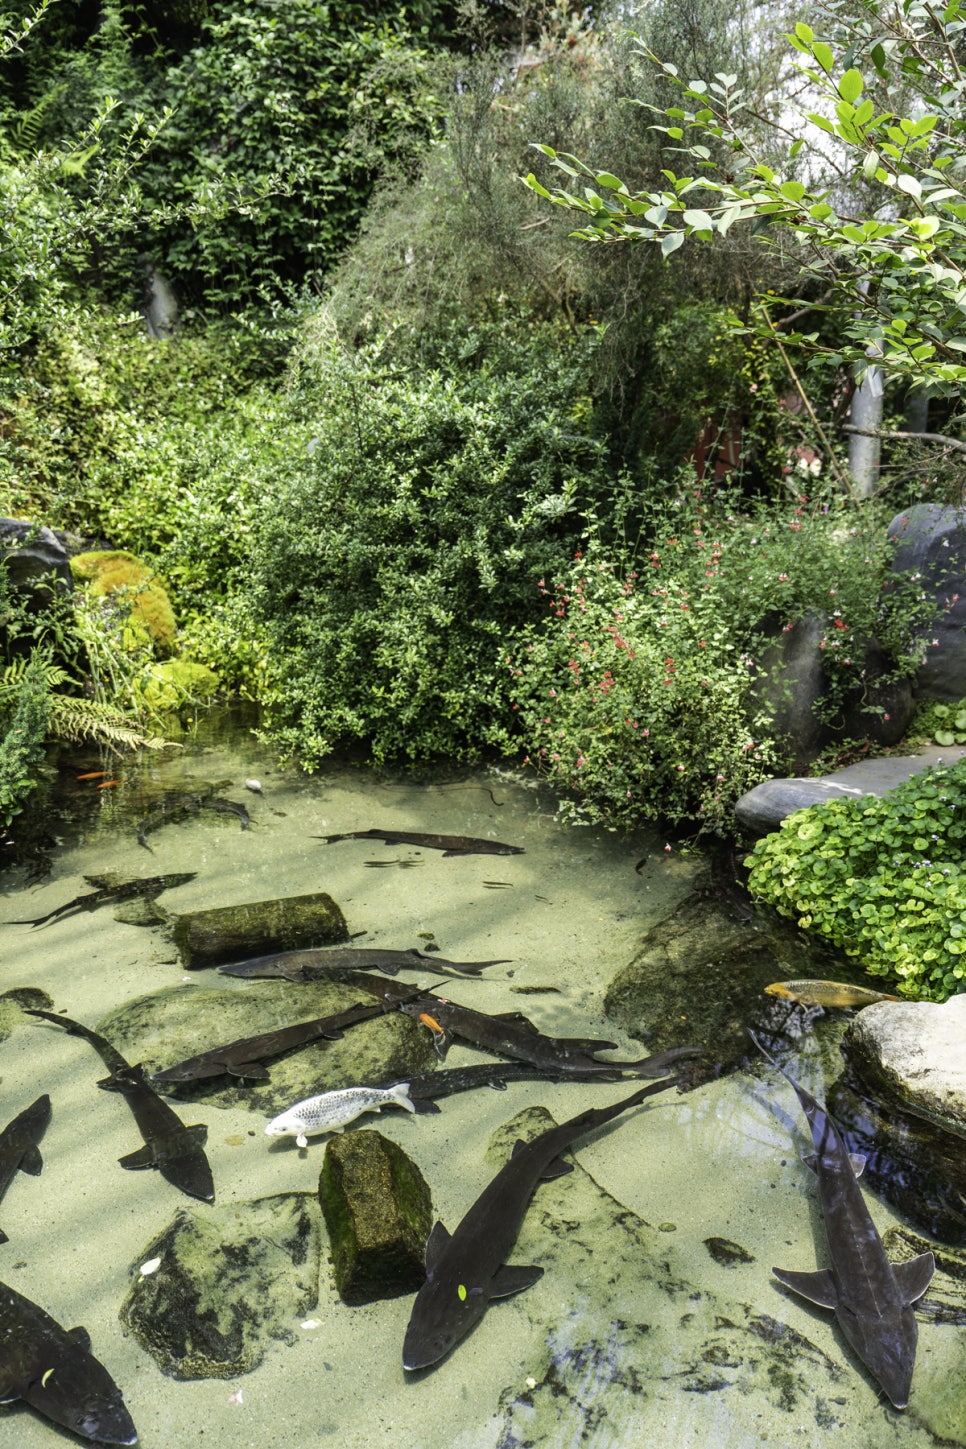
(896, 433)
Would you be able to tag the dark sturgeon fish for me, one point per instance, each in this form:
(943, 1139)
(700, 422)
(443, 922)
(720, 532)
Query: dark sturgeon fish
(18, 1145)
(871, 1298)
(425, 1090)
(468, 1269)
(315, 964)
(177, 1151)
(110, 888)
(243, 1058)
(514, 1035)
(175, 806)
(448, 844)
(53, 1370)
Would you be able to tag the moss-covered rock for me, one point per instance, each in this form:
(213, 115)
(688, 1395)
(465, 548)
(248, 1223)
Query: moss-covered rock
(257, 928)
(228, 1281)
(180, 1021)
(13, 1002)
(378, 1211)
(151, 618)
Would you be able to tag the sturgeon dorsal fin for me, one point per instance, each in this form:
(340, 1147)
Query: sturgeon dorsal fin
(913, 1277)
(556, 1168)
(32, 1161)
(856, 1162)
(513, 1278)
(816, 1287)
(437, 1241)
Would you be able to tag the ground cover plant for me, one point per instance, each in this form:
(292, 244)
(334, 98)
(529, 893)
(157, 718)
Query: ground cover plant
(882, 879)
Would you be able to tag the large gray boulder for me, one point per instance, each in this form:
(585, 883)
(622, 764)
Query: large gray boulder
(916, 1051)
(931, 542)
(34, 559)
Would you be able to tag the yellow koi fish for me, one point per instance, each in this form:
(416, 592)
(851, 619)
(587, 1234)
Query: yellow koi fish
(828, 994)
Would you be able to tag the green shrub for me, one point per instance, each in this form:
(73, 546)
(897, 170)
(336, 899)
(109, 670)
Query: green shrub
(883, 879)
(24, 720)
(396, 551)
(636, 691)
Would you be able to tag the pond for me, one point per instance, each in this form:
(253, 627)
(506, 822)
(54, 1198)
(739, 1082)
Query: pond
(656, 1319)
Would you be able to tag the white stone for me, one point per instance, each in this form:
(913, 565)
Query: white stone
(921, 1047)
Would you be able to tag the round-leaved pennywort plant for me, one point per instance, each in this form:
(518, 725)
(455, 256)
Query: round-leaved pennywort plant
(884, 879)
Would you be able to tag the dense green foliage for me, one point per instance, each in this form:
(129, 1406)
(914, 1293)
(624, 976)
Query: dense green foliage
(882, 879)
(24, 723)
(639, 690)
(396, 551)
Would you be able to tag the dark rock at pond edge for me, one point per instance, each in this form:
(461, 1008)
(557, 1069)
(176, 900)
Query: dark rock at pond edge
(620, 1344)
(180, 1021)
(931, 541)
(792, 680)
(31, 553)
(378, 1211)
(256, 928)
(699, 980)
(909, 1162)
(230, 1279)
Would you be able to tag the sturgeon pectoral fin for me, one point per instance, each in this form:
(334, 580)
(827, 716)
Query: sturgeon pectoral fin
(144, 1157)
(816, 1287)
(914, 1277)
(513, 1279)
(248, 1069)
(3, 1239)
(32, 1161)
(81, 1337)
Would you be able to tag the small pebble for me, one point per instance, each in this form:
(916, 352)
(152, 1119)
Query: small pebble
(309, 1323)
(151, 1266)
(255, 786)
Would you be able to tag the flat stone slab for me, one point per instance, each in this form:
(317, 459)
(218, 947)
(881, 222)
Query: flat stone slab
(763, 809)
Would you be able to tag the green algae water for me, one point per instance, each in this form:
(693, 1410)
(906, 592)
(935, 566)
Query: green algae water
(656, 1320)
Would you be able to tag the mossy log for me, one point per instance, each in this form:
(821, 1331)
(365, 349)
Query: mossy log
(378, 1211)
(234, 933)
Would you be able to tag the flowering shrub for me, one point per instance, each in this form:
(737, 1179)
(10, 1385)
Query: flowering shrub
(638, 700)
(883, 879)
(636, 695)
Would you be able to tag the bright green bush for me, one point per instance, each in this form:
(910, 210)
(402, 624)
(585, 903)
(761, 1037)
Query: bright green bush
(396, 551)
(883, 879)
(24, 720)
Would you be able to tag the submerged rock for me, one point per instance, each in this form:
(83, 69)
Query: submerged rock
(13, 1002)
(378, 1211)
(178, 1022)
(699, 980)
(228, 1281)
(257, 928)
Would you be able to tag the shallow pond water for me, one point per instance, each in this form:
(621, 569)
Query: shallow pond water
(657, 1319)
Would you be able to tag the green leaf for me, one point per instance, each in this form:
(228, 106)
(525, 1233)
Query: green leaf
(671, 242)
(850, 86)
(700, 220)
(909, 185)
(604, 178)
(823, 54)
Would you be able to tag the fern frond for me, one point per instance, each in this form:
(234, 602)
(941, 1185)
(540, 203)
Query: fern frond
(13, 675)
(86, 719)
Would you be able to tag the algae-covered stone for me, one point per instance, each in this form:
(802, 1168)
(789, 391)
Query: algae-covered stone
(181, 1021)
(113, 571)
(257, 928)
(13, 1002)
(699, 977)
(229, 1280)
(166, 686)
(378, 1211)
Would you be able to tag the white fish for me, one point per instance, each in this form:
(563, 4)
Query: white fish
(334, 1110)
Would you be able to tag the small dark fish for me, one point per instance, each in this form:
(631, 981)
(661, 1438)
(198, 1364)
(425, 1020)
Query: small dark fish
(242, 1058)
(175, 806)
(511, 1034)
(53, 1370)
(177, 1151)
(498, 885)
(389, 864)
(871, 1297)
(18, 1145)
(314, 964)
(465, 1271)
(448, 844)
(426, 1090)
(229, 807)
(111, 888)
